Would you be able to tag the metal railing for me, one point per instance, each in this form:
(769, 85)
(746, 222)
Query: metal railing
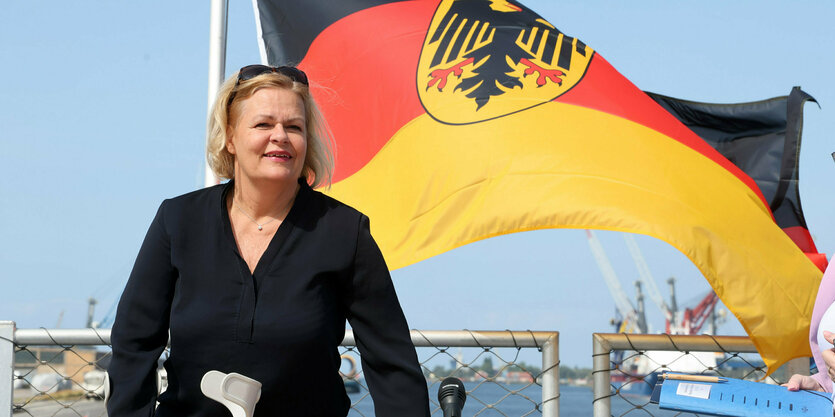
(734, 350)
(438, 343)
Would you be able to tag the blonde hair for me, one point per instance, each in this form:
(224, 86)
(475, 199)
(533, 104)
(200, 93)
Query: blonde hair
(319, 161)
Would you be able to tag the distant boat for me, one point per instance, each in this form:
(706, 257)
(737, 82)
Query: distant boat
(627, 385)
(638, 374)
(352, 386)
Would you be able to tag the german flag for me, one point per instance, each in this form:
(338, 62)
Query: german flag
(459, 120)
(763, 139)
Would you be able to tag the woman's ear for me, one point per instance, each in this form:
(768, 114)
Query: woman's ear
(230, 146)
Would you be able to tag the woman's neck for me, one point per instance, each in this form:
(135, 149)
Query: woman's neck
(264, 198)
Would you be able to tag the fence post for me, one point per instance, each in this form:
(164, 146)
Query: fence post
(551, 376)
(601, 378)
(6, 367)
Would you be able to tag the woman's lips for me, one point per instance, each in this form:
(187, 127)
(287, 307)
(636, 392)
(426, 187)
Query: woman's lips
(278, 155)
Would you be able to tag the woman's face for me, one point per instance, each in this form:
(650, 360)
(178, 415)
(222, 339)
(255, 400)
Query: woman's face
(269, 138)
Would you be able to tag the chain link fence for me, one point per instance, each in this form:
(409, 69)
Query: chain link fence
(60, 372)
(626, 367)
(498, 383)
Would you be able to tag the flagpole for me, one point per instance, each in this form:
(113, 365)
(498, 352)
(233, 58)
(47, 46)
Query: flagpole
(217, 65)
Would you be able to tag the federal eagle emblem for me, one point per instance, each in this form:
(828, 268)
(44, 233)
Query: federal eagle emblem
(484, 59)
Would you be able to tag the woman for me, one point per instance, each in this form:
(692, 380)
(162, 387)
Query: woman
(258, 275)
(819, 333)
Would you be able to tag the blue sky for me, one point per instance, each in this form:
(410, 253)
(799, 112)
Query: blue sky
(102, 115)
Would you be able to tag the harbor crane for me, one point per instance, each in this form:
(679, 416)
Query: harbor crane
(689, 321)
(645, 276)
(633, 320)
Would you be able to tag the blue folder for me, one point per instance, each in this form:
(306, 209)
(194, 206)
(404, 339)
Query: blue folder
(735, 397)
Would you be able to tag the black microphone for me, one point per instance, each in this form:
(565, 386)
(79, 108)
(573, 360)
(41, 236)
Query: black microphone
(452, 396)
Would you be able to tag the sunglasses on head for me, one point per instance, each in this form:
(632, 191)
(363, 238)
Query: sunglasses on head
(251, 71)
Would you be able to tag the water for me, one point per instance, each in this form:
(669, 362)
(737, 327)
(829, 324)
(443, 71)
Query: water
(574, 402)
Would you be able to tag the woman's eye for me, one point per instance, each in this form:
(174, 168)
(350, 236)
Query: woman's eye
(262, 125)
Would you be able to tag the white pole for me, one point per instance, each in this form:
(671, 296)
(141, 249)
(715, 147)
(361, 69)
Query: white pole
(6, 367)
(551, 377)
(602, 384)
(217, 64)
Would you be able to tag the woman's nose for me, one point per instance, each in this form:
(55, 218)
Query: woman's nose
(278, 134)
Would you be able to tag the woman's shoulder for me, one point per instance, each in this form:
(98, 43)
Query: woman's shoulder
(196, 197)
(191, 205)
(325, 208)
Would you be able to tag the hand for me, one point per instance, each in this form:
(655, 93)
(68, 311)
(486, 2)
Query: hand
(829, 354)
(798, 382)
